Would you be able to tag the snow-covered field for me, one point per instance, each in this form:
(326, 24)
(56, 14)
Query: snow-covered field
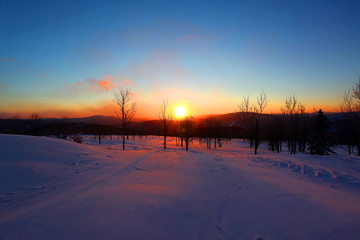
(56, 189)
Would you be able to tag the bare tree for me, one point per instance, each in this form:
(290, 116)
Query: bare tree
(187, 128)
(165, 117)
(259, 109)
(127, 107)
(99, 131)
(275, 132)
(213, 127)
(350, 107)
(179, 131)
(210, 126)
(294, 111)
(304, 128)
(247, 118)
(252, 114)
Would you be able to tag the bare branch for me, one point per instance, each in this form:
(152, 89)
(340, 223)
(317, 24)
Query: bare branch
(251, 115)
(127, 108)
(290, 106)
(348, 102)
(165, 114)
(165, 117)
(262, 101)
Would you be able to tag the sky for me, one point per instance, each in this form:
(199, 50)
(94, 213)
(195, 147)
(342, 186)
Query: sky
(65, 58)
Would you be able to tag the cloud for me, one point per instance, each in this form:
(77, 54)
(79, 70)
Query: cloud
(103, 85)
(7, 59)
(107, 83)
(95, 85)
(78, 83)
(45, 74)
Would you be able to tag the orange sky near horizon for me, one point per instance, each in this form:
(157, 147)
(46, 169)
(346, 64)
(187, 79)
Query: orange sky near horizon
(149, 108)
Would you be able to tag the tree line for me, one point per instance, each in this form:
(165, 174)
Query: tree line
(295, 128)
(302, 131)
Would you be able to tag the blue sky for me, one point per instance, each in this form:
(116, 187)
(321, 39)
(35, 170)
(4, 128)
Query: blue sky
(65, 57)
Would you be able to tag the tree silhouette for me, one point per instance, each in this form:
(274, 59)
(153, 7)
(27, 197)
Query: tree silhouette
(247, 118)
(297, 127)
(350, 107)
(211, 131)
(252, 114)
(187, 126)
(123, 98)
(165, 117)
(14, 122)
(275, 132)
(320, 140)
(35, 119)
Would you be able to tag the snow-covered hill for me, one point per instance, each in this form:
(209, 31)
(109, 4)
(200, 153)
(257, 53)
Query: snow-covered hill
(55, 189)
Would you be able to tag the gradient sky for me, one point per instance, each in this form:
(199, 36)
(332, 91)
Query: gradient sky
(64, 58)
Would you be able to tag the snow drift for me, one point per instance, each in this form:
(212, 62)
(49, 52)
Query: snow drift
(55, 189)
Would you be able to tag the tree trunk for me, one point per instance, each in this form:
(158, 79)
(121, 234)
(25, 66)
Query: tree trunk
(256, 135)
(164, 137)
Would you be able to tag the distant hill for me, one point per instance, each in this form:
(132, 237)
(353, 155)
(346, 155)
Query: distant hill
(111, 124)
(228, 119)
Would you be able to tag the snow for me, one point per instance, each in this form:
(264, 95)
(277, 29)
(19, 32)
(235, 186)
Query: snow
(56, 189)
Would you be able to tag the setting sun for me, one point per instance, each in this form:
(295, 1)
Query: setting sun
(180, 111)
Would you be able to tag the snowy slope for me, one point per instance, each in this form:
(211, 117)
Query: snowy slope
(54, 189)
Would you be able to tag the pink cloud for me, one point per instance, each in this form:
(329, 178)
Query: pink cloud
(7, 59)
(105, 84)
(78, 83)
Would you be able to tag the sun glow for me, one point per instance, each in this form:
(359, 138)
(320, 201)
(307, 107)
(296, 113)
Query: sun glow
(180, 111)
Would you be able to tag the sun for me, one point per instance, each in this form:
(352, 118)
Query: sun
(180, 111)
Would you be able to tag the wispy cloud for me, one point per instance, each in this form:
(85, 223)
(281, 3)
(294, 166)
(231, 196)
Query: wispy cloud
(7, 59)
(107, 83)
